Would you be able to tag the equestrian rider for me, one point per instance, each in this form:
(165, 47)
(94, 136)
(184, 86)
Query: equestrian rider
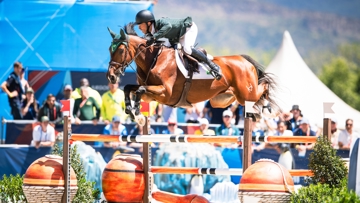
(183, 31)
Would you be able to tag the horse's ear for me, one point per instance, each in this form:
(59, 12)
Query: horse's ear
(122, 34)
(111, 33)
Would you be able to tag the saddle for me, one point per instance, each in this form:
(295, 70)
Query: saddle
(191, 65)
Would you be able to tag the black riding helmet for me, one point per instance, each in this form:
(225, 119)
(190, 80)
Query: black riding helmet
(144, 16)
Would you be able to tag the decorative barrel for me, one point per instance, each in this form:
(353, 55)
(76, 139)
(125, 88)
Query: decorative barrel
(44, 180)
(123, 179)
(266, 181)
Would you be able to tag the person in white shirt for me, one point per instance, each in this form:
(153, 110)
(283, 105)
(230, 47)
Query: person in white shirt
(347, 137)
(43, 134)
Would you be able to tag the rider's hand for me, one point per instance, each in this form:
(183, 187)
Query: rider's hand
(149, 40)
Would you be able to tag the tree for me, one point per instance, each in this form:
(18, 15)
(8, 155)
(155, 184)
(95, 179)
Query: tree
(342, 76)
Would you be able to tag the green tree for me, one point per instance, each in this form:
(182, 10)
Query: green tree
(341, 75)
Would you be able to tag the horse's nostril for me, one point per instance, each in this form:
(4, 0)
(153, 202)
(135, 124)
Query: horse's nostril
(112, 77)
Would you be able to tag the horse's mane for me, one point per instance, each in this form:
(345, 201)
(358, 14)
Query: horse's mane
(129, 29)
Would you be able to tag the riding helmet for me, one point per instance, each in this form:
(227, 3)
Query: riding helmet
(144, 16)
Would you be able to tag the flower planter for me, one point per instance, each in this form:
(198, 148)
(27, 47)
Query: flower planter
(266, 181)
(44, 180)
(123, 179)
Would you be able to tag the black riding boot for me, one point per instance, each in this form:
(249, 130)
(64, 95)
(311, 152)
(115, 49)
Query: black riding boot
(201, 57)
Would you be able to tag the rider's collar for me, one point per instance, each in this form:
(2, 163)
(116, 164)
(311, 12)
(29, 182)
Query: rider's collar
(152, 29)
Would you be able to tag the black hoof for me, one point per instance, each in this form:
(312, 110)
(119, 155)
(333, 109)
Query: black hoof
(267, 107)
(254, 116)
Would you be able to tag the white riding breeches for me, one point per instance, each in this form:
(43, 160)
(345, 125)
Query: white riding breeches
(188, 40)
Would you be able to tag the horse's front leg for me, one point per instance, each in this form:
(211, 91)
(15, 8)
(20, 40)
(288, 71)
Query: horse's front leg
(138, 93)
(127, 90)
(156, 92)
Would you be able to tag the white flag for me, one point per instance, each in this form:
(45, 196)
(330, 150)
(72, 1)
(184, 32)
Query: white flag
(327, 107)
(249, 107)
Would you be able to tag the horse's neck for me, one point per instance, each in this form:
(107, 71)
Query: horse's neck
(147, 56)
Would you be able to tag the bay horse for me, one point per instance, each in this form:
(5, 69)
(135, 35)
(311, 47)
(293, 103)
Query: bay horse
(159, 78)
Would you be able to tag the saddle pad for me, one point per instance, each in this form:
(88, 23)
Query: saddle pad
(196, 76)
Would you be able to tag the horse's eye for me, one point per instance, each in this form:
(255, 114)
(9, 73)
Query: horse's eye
(121, 51)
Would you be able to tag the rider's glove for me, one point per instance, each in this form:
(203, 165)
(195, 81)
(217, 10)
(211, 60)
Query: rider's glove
(149, 40)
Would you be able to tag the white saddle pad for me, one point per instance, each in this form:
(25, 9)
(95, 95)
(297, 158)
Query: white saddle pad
(196, 76)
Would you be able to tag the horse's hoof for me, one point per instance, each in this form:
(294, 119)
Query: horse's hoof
(140, 119)
(255, 117)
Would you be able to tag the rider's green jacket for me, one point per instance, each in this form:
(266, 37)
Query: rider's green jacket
(173, 29)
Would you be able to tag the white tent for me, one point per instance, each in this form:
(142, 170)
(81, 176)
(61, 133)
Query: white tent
(299, 85)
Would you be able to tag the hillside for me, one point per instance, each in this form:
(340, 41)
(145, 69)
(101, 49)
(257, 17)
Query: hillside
(256, 27)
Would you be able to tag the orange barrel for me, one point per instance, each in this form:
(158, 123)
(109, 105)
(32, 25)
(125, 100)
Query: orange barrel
(123, 179)
(266, 181)
(44, 180)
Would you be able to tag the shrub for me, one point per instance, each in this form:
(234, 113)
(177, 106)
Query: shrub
(11, 189)
(326, 165)
(325, 194)
(86, 191)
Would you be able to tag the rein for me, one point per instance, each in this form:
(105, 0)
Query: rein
(126, 64)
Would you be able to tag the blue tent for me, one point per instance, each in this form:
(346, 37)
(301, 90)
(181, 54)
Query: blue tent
(58, 40)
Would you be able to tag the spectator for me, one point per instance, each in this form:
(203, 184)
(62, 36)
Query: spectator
(167, 112)
(304, 130)
(86, 108)
(24, 82)
(294, 122)
(67, 96)
(256, 131)
(347, 137)
(43, 134)
(286, 159)
(92, 93)
(172, 128)
(280, 131)
(214, 114)
(113, 103)
(194, 113)
(227, 129)
(334, 134)
(51, 109)
(30, 106)
(239, 112)
(115, 128)
(14, 89)
(139, 130)
(204, 128)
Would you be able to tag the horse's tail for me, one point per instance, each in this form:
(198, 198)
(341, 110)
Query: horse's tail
(268, 98)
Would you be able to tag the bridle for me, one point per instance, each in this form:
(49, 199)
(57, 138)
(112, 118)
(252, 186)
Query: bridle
(120, 67)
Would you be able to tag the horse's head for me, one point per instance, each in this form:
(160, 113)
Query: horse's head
(119, 55)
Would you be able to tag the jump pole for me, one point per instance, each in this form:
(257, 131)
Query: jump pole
(215, 171)
(176, 138)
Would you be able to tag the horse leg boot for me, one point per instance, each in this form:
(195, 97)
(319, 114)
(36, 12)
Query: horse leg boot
(201, 57)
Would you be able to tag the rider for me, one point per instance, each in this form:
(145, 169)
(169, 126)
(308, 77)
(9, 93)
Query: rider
(183, 31)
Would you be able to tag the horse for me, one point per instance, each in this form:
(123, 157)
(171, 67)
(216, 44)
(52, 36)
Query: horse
(159, 78)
